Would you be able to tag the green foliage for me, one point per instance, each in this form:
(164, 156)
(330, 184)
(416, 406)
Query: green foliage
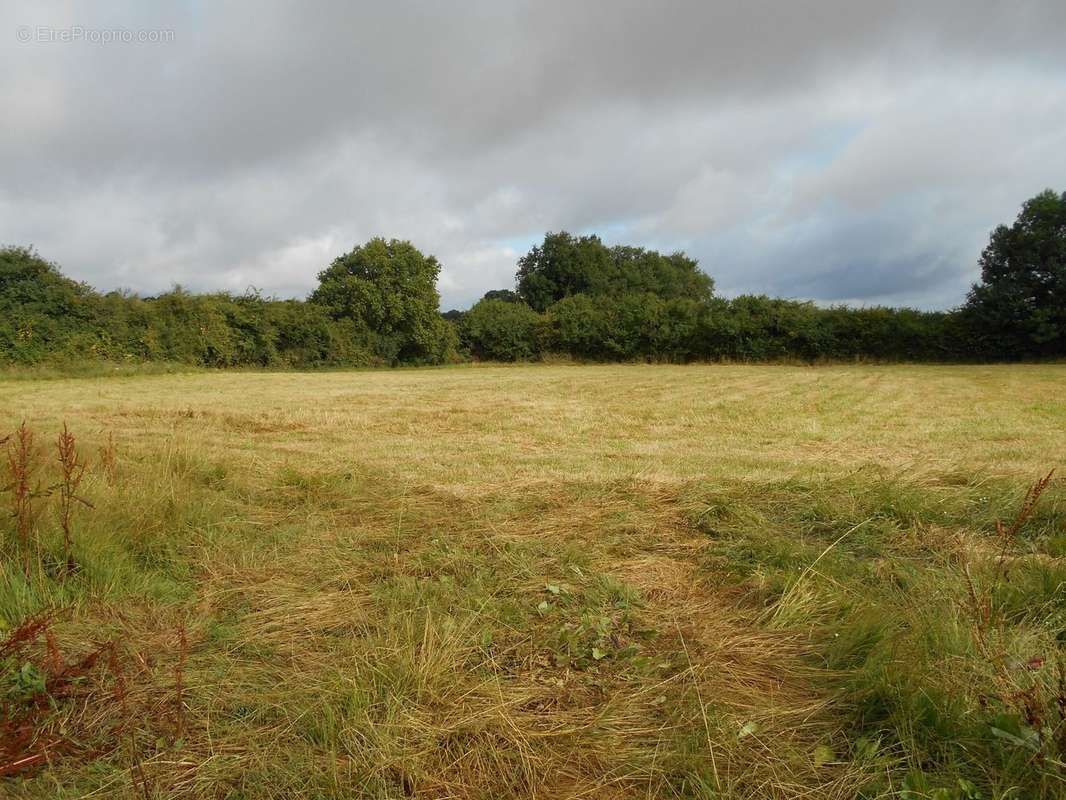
(500, 330)
(756, 328)
(46, 318)
(388, 288)
(378, 305)
(573, 296)
(222, 330)
(506, 295)
(307, 335)
(565, 265)
(626, 327)
(1019, 307)
(751, 328)
(20, 683)
(41, 311)
(625, 303)
(579, 327)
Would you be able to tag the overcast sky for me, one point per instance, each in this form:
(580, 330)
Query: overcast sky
(841, 151)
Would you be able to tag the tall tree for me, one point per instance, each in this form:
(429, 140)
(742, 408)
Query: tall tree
(1019, 307)
(565, 265)
(389, 288)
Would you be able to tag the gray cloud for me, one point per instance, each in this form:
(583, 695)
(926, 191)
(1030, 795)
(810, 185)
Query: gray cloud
(839, 151)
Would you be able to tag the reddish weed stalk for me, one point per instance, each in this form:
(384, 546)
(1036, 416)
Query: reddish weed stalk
(21, 464)
(1023, 696)
(25, 633)
(72, 470)
(1008, 534)
(19, 748)
(120, 695)
(28, 739)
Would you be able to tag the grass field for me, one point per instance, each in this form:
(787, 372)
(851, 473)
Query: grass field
(542, 582)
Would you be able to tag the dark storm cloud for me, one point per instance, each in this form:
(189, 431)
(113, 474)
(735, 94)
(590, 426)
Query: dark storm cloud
(841, 151)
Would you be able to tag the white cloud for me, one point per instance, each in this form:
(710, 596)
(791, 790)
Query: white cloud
(833, 150)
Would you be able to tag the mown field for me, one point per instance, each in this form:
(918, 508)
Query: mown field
(538, 582)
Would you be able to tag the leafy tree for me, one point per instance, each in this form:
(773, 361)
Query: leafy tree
(506, 295)
(562, 266)
(501, 330)
(389, 288)
(565, 265)
(42, 312)
(1019, 307)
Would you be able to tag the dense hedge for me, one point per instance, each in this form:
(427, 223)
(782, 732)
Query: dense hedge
(46, 317)
(649, 328)
(574, 296)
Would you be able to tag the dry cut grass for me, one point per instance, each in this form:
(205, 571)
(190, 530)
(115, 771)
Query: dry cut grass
(523, 582)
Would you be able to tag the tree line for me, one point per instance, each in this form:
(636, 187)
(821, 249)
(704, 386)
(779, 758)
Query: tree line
(573, 296)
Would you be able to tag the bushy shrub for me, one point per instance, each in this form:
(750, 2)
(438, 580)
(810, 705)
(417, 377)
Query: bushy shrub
(641, 326)
(579, 327)
(501, 330)
(759, 328)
